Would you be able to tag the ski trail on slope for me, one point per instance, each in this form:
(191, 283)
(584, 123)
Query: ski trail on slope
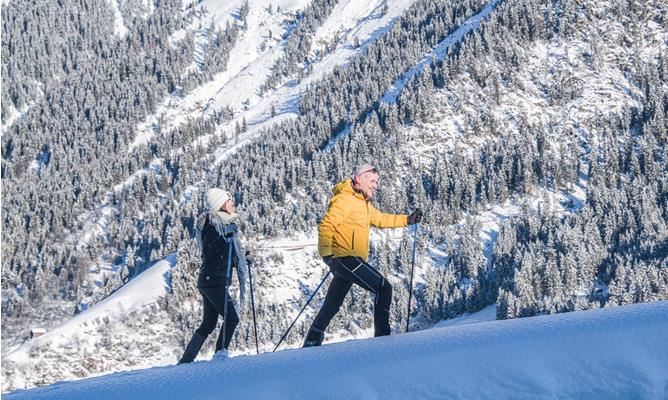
(439, 52)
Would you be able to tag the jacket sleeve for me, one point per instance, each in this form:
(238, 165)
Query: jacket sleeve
(327, 226)
(382, 220)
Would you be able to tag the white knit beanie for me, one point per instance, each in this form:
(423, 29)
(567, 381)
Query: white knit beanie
(216, 198)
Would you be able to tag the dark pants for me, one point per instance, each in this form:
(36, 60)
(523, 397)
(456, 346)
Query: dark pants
(349, 270)
(213, 302)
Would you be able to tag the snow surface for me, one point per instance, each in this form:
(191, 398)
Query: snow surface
(485, 315)
(607, 353)
(120, 29)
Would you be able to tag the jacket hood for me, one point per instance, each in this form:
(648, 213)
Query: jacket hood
(346, 186)
(343, 186)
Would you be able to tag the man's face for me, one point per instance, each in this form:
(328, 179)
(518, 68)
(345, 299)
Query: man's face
(367, 184)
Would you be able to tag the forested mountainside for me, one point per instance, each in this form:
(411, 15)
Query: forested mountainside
(72, 94)
(535, 143)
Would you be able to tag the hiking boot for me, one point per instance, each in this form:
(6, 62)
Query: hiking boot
(221, 355)
(192, 349)
(314, 338)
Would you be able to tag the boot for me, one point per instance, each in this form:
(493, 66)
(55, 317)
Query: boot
(314, 337)
(221, 355)
(192, 349)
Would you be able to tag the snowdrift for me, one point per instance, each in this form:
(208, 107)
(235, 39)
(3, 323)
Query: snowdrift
(609, 353)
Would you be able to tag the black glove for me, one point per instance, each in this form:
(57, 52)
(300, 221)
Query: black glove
(415, 217)
(230, 230)
(249, 257)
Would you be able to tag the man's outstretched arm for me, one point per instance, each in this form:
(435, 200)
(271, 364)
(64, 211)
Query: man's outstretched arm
(384, 220)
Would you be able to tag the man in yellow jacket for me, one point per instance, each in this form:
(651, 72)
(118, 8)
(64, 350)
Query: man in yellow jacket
(343, 243)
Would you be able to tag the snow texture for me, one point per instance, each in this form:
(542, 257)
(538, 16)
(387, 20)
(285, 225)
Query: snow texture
(119, 27)
(608, 353)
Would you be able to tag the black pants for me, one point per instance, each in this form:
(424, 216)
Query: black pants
(349, 270)
(213, 301)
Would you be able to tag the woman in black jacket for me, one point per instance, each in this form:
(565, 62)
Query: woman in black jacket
(221, 249)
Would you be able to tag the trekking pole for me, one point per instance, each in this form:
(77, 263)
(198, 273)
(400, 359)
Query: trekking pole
(228, 278)
(303, 308)
(250, 280)
(410, 289)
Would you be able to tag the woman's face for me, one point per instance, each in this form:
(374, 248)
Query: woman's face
(228, 207)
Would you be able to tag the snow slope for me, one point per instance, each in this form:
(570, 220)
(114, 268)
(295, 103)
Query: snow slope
(147, 288)
(607, 353)
(82, 330)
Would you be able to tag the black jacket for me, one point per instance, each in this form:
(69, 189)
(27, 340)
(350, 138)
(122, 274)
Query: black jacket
(215, 253)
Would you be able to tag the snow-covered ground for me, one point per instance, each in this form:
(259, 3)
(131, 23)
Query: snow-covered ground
(485, 315)
(84, 330)
(599, 354)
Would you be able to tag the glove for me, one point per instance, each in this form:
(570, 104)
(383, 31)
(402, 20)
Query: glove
(415, 217)
(249, 257)
(230, 230)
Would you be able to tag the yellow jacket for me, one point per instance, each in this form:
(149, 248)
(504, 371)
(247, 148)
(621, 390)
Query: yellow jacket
(344, 230)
